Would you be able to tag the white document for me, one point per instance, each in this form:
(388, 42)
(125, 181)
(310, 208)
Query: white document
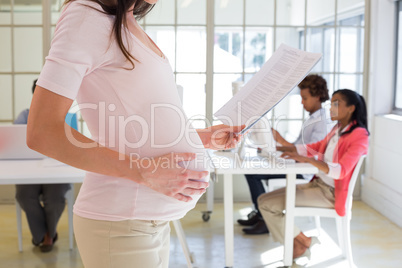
(278, 76)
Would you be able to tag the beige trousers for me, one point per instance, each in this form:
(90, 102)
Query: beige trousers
(272, 205)
(122, 244)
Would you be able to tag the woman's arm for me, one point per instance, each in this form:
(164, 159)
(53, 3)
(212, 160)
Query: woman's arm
(290, 148)
(47, 134)
(357, 145)
(321, 165)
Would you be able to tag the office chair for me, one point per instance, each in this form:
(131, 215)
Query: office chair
(342, 223)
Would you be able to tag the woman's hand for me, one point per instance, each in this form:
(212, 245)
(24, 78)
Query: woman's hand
(279, 139)
(296, 156)
(276, 135)
(164, 174)
(220, 137)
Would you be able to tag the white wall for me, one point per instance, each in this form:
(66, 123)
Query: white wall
(382, 187)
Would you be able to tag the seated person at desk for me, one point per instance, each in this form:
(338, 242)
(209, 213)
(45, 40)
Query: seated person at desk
(337, 156)
(313, 92)
(42, 220)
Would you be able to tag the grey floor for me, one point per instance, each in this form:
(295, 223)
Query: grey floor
(376, 242)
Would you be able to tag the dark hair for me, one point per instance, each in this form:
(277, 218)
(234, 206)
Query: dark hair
(359, 116)
(34, 86)
(119, 8)
(316, 85)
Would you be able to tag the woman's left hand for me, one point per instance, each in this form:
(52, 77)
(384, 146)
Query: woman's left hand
(295, 156)
(220, 137)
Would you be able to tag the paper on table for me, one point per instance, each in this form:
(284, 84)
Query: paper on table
(277, 77)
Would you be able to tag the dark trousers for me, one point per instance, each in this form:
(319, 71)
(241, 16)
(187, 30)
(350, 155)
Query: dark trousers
(42, 218)
(256, 186)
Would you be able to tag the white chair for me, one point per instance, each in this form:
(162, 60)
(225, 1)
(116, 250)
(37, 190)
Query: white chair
(182, 238)
(70, 202)
(274, 184)
(342, 223)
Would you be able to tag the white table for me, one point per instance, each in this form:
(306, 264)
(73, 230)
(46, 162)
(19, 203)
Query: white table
(38, 172)
(227, 164)
(46, 171)
(50, 171)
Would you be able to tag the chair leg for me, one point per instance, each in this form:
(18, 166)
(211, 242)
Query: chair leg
(340, 232)
(182, 238)
(70, 203)
(19, 225)
(318, 224)
(347, 240)
(270, 186)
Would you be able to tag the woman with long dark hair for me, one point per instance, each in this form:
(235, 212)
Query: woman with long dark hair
(145, 162)
(335, 157)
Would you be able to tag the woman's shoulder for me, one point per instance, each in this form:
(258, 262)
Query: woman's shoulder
(85, 12)
(83, 34)
(83, 5)
(360, 131)
(359, 134)
(83, 23)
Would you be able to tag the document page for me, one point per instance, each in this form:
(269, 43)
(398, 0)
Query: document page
(278, 76)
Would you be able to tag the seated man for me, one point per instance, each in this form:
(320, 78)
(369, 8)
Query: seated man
(313, 91)
(42, 220)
